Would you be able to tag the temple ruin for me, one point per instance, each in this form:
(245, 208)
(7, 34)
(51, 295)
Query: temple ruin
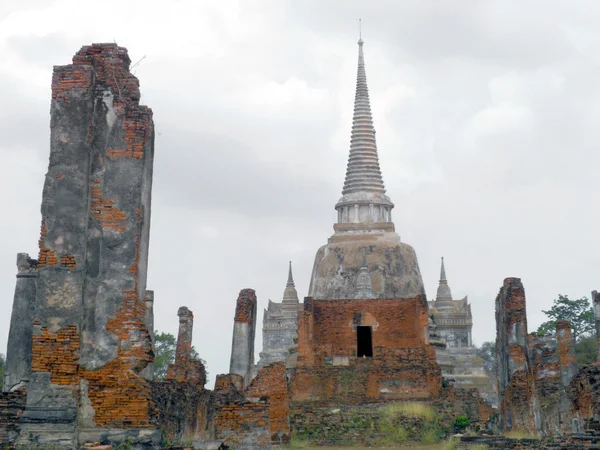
(81, 341)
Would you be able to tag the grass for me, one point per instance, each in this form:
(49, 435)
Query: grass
(393, 434)
(390, 427)
(518, 434)
(414, 410)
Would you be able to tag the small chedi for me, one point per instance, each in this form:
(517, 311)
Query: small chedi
(364, 343)
(452, 323)
(280, 325)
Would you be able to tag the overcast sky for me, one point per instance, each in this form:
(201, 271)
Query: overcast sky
(487, 116)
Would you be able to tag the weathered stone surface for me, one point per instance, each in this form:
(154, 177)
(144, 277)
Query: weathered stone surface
(12, 405)
(244, 329)
(50, 414)
(18, 355)
(533, 370)
(135, 439)
(392, 265)
(83, 302)
(148, 371)
(517, 397)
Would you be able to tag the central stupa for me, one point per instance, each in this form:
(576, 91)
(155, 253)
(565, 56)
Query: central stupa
(364, 258)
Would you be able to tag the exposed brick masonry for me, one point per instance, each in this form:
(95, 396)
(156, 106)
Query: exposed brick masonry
(403, 365)
(271, 382)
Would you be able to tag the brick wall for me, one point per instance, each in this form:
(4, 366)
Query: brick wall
(584, 392)
(244, 425)
(403, 365)
(181, 410)
(271, 383)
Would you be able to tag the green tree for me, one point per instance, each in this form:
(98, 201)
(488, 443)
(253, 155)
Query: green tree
(2, 363)
(487, 352)
(585, 350)
(578, 312)
(164, 353)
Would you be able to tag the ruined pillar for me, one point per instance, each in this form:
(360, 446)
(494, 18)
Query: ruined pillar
(185, 369)
(184, 337)
(18, 353)
(516, 391)
(596, 303)
(566, 352)
(244, 326)
(148, 371)
(89, 329)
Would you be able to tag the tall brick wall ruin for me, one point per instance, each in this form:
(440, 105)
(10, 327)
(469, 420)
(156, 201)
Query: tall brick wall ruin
(516, 391)
(534, 371)
(88, 307)
(403, 364)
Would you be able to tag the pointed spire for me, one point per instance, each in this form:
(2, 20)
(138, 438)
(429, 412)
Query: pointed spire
(363, 172)
(364, 205)
(290, 295)
(290, 281)
(443, 291)
(443, 272)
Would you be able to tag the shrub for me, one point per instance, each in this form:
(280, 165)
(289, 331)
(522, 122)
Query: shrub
(461, 423)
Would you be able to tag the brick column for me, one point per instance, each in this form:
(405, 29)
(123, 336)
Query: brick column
(515, 381)
(566, 352)
(184, 337)
(244, 328)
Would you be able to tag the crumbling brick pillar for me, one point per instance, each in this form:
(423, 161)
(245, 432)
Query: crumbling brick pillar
(516, 390)
(184, 337)
(18, 354)
(596, 305)
(566, 352)
(244, 327)
(185, 369)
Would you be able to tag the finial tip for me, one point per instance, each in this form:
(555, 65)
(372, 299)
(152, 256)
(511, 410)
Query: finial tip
(360, 41)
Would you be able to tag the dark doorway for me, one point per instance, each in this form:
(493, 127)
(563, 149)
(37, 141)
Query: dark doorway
(364, 342)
